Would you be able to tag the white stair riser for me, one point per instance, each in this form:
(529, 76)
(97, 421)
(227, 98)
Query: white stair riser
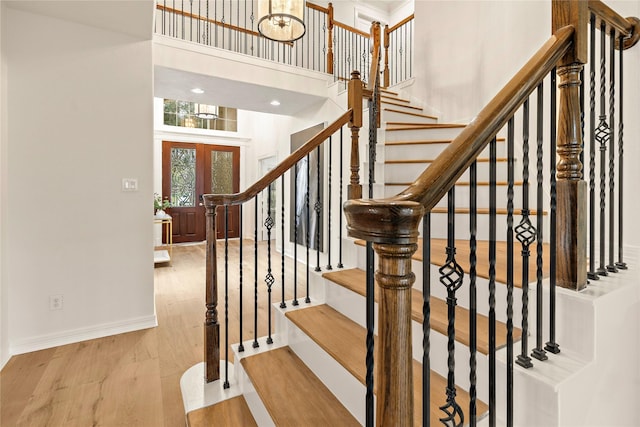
(422, 134)
(439, 226)
(462, 196)
(430, 151)
(394, 116)
(408, 172)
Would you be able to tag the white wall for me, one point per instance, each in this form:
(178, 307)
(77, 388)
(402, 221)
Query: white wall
(4, 324)
(79, 105)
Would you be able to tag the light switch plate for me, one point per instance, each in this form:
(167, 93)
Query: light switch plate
(129, 184)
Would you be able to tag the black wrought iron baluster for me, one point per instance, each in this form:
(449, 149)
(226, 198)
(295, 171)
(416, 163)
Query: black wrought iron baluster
(255, 274)
(182, 15)
(526, 235)
(611, 267)
(426, 315)
(620, 264)
(510, 183)
(252, 18)
(473, 297)
(591, 274)
(318, 209)
(329, 212)
(492, 282)
(370, 321)
(551, 345)
(538, 352)
(190, 20)
(240, 290)
(451, 276)
(226, 296)
(307, 233)
(207, 38)
(269, 279)
(295, 237)
(602, 136)
(282, 303)
(340, 207)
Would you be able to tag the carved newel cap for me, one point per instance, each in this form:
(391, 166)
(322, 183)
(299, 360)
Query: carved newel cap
(383, 221)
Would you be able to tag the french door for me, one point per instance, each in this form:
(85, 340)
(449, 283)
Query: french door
(191, 170)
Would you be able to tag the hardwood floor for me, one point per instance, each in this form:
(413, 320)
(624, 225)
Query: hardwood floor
(130, 379)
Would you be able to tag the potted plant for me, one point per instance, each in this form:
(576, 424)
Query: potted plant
(160, 204)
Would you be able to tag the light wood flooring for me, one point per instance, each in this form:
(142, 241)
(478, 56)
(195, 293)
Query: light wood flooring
(131, 379)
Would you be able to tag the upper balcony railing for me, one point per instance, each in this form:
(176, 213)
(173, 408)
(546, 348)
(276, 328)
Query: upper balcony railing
(328, 46)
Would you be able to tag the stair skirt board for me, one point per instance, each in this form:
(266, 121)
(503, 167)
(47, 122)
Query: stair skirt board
(197, 394)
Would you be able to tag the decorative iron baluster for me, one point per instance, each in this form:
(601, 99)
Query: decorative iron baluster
(538, 352)
(592, 274)
(340, 207)
(240, 346)
(451, 276)
(282, 303)
(269, 279)
(492, 282)
(620, 264)
(295, 240)
(611, 267)
(255, 274)
(370, 321)
(510, 182)
(426, 315)
(318, 209)
(602, 136)
(473, 297)
(551, 345)
(330, 179)
(526, 235)
(226, 296)
(308, 227)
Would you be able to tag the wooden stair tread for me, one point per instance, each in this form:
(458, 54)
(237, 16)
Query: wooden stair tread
(466, 184)
(439, 258)
(391, 110)
(397, 104)
(426, 142)
(417, 126)
(395, 98)
(230, 412)
(345, 340)
(285, 384)
(387, 91)
(480, 160)
(355, 280)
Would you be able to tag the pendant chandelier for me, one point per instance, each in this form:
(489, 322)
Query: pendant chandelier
(207, 112)
(281, 20)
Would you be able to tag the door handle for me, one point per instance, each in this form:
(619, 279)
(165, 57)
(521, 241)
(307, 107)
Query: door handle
(201, 201)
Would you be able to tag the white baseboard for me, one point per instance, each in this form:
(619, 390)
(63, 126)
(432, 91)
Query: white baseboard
(82, 334)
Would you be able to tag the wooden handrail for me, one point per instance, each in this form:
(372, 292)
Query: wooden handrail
(317, 7)
(438, 178)
(401, 23)
(350, 28)
(275, 173)
(628, 27)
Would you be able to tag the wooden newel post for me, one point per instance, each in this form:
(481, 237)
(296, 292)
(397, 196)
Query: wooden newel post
(211, 325)
(571, 229)
(354, 190)
(330, 40)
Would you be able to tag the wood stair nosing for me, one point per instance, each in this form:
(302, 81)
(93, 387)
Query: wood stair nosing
(399, 126)
(345, 341)
(426, 142)
(355, 280)
(387, 91)
(285, 384)
(230, 412)
(395, 98)
(426, 116)
(412, 161)
(467, 184)
(439, 258)
(397, 104)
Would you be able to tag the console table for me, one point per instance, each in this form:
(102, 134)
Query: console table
(164, 255)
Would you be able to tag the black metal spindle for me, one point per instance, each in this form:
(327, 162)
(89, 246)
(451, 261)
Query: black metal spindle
(282, 303)
(551, 345)
(318, 209)
(255, 274)
(226, 296)
(602, 136)
(340, 207)
(269, 279)
(307, 233)
(510, 183)
(240, 290)
(370, 321)
(620, 264)
(473, 297)
(426, 323)
(538, 352)
(526, 234)
(611, 267)
(451, 276)
(330, 194)
(295, 237)
(591, 274)
(492, 282)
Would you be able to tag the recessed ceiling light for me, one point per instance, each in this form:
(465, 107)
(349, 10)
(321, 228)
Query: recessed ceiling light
(275, 103)
(197, 90)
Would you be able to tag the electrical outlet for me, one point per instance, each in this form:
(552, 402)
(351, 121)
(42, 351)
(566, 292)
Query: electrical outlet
(56, 302)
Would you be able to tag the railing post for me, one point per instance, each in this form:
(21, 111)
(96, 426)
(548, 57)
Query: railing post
(571, 248)
(386, 56)
(354, 190)
(211, 325)
(330, 40)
